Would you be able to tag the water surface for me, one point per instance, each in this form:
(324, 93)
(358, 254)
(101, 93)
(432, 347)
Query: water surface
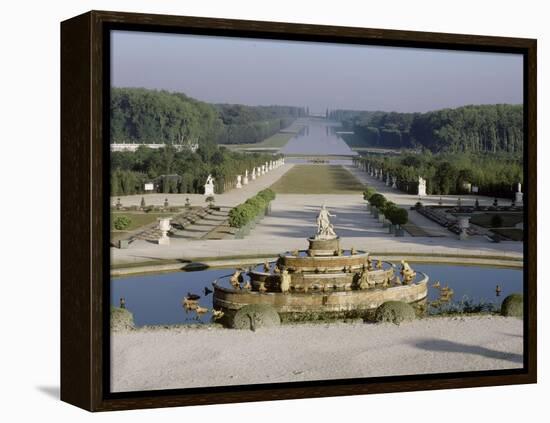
(156, 299)
(318, 137)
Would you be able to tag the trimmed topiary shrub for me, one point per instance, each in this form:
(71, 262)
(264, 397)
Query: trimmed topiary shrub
(122, 222)
(394, 312)
(378, 200)
(254, 316)
(258, 203)
(368, 193)
(388, 208)
(398, 216)
(267, 194)
(121, 319)
(241, 215)
(253, 207)
(512, 306)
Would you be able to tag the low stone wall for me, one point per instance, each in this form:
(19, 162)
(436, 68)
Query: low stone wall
(320, 302)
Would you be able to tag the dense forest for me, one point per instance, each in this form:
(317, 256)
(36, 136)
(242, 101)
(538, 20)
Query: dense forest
(484, 128)
(181, 171)
(145, 116)
(246, 124)
(448, 173)
(159, 117)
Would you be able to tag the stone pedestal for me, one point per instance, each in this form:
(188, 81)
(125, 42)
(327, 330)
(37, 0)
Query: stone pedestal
(463, 224)
(164, 226)
(164, 240)
(245, 180)
(208, 189)
(519, 198)
(319, 246)
(421, 187)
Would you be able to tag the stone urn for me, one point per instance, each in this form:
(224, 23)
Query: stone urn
(463, 225)
(164, 226)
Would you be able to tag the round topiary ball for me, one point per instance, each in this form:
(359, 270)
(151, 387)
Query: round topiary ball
(512, 306)
(254, 316)
(121, 319)
(394, 312)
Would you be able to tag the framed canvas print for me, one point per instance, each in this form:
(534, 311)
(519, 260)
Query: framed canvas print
(258, 210)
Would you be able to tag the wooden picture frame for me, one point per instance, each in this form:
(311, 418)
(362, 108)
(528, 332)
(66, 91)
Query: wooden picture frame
(84, 212)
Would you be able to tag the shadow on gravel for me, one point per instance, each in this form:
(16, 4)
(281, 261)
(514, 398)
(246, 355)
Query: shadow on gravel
(455, 347)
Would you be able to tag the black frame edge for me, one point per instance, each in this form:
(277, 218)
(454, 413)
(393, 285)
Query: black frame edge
(82, 214)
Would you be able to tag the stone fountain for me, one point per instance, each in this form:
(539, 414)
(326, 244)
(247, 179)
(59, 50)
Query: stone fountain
(324, 278)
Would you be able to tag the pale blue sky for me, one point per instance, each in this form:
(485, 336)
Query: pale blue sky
(316, 75)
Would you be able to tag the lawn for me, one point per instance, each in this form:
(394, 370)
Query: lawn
(513, 234)
(138, 219)
(508, 219)
(317, 179)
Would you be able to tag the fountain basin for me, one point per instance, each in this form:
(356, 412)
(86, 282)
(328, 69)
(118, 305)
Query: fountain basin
(319, 301)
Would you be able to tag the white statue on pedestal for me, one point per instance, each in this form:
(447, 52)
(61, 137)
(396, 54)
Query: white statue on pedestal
(239, 185)
(245, 179)
(394, 182)
(253, 176)
(421, 186)
(519, 194)
(325, 230)
(209, 186)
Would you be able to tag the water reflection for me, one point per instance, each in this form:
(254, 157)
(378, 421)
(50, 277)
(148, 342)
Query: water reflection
(318, 137)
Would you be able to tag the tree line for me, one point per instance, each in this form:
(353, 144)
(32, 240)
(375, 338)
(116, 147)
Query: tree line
(476, 128)
(450, 173)
(144, 116)
(182, 171)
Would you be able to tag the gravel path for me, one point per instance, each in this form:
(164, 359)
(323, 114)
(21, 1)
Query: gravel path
(161, 358)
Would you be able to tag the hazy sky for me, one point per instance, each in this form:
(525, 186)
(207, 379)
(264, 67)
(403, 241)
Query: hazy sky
(316, 75)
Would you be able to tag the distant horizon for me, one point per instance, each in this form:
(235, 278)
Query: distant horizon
(254, 72)
(319, 111)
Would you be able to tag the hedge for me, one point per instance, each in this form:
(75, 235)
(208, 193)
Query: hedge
(244, 213)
